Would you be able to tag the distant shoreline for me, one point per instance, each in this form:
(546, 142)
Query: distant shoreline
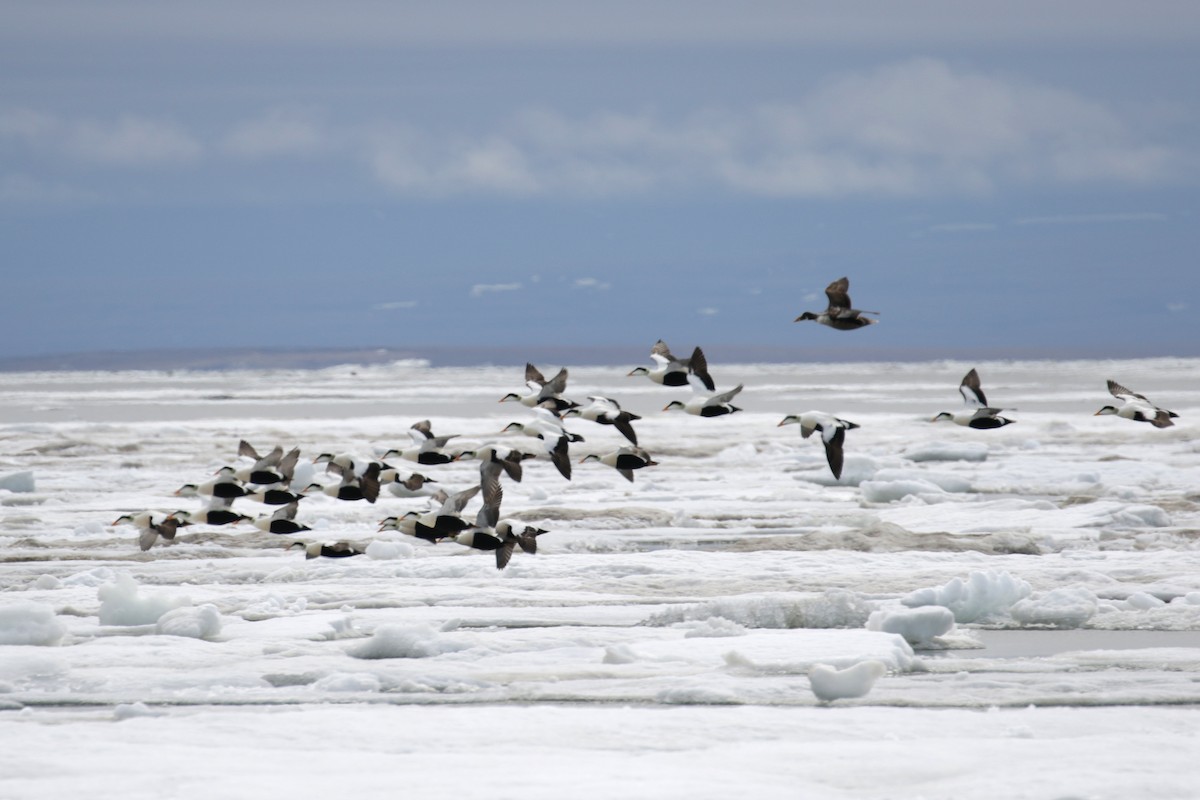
(221, 359)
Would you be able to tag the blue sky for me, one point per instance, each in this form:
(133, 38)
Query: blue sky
(1014, 178)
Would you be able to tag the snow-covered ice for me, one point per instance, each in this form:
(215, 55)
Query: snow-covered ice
(733, 623)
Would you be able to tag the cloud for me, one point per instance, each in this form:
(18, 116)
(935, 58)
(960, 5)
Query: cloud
(962, 227)
(132, 141)
(480, 289)
(919, 127)
(26, 190)
(1093, 219)
(591, 283)
(914, 128)
(708, 311)
(395, 305)
(277, 132)
(1175, 308)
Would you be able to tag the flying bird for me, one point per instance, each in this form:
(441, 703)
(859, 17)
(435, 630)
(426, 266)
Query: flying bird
(624, 460)
(607, 411)
(672, 371)
(542, 390)
(1136, 407)
(283, 520)
(327, 549)
(706, 405)
(832, 430)
(977, 413)
(151, 527)
(840, 314)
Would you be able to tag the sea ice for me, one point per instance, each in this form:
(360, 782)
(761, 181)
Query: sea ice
(829, 683)
(399, 641)
(122, 604)
(918, 626)
(1068, 607)
(198, 622)
(30, 623)
(982, 596)
(17, 482)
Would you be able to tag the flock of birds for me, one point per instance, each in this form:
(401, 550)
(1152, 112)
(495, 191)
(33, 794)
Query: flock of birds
(269, 479)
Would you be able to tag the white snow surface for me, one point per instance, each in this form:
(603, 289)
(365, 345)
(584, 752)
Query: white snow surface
(664, 639)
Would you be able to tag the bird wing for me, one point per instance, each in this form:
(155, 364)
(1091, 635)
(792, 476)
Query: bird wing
(458, 501)
(556, 385)
(621, 423)
(838, 293)
(534, 375)
(424, 428)
(1121, 393)
(489, 513)
(971, 392)
(698, 364)
(724, 397)
(286, 512)
(661, 351)
(246, 449)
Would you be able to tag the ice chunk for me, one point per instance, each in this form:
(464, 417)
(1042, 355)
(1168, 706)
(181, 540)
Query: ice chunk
(946, 451)
(834, 608)
(200, 622)
(30, 623)
(17, 482)
(1143, 601)
(943, 480)
(121, 604)
(917, 625)
(890, 491)
(401, 641)
(348, 682)
(982, 596)
(829, 683)
(389, 551)
(1068, 607)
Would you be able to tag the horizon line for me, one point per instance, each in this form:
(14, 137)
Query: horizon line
(232, 358)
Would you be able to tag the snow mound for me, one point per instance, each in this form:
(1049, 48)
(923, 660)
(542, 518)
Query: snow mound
(943, 480)
(47, 582)
(855, 470)
(121, 604)
(829, 683)
(1140, 516)
(834, 608)
(348, 682)
(380, 550)
(891, 491)
(403, 641)
(698, 695)
(200, 622)
(982, 596)
(132, 710)
(1068, 607)
(714, 627)
(945, 451)
(30, 623)
(17, 482)
(918, 626)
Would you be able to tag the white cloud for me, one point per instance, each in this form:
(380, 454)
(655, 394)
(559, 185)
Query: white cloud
(1175, 308)
(917, 127)
(395, 305)
(591, 283)
(708, 311)
(132, 141)
(1093, 219)
(962, 227)
(26, 190)
(278, 132)
(480, 289)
